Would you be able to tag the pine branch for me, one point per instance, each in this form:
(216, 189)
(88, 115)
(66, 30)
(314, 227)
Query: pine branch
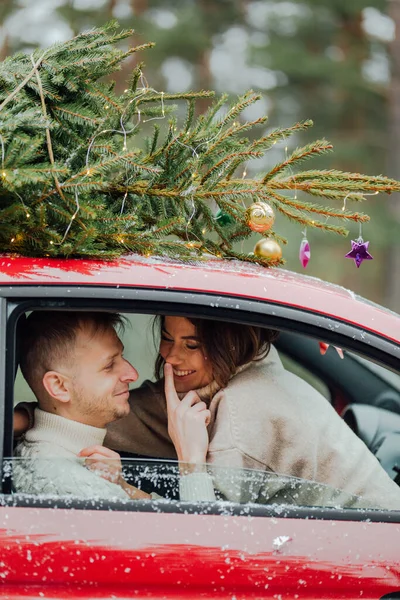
(321, 210)
(303, 220)
(229, 158)
(318, 147)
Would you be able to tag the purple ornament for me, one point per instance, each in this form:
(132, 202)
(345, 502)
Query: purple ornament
(304, 252)
(359, 251)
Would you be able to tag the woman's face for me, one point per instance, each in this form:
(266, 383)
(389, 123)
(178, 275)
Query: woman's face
(181, 348)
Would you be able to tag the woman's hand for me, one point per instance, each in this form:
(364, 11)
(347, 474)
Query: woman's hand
(187, 422)
(104, 461)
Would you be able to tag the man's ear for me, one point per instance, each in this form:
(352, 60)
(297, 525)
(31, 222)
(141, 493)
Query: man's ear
(57, 386)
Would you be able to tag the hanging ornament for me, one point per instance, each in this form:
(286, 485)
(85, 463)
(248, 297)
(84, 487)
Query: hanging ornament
(260, 217)
(268, 248)
(223, 218)
(305, 251)
(359, 251)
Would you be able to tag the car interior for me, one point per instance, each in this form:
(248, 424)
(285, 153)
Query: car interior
(366, 394)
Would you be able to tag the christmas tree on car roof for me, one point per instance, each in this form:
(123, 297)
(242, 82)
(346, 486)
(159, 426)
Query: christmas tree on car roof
(87, 172)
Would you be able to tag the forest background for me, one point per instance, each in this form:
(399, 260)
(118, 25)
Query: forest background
(336, 62)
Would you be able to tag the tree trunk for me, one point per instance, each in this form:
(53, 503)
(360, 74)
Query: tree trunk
(392, 291)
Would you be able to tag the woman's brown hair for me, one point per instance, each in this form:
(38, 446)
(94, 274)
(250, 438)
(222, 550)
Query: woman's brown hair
(227, 346)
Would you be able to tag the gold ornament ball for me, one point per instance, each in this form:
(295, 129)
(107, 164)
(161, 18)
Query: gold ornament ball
(268, 249)
(260, 217)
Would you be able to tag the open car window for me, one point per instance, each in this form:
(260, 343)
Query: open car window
(337, 376)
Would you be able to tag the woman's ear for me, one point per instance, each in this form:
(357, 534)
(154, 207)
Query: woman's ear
(57, 386)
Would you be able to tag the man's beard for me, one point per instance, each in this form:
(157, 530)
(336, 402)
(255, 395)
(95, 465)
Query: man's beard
(103, 409)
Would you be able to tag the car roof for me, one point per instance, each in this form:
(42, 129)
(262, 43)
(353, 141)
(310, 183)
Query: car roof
(217, 276)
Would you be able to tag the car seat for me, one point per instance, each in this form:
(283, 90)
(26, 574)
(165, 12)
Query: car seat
(379, 429)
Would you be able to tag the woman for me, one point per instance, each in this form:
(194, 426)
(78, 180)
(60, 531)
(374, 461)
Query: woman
(261, 417)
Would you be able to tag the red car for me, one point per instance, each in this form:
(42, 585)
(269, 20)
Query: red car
(347, 347)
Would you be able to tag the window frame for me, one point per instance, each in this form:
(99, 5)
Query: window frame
(210, 508)
(4, 393)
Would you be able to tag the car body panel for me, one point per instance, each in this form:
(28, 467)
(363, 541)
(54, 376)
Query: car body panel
(186, 555)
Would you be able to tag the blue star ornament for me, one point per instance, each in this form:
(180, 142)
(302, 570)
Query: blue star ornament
(359, 251)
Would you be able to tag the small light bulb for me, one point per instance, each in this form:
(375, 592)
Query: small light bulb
(51, 242)
(126, 91)
(203, 231)
(28, 215)
(88, 172)
(12, 240)
(106, 107)
(4, 174)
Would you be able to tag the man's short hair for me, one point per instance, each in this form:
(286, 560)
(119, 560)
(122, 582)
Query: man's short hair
(48, 337)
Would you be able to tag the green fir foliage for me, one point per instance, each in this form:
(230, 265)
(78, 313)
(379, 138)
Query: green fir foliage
(78, 179)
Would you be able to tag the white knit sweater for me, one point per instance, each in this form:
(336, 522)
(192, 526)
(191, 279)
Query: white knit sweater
(50, 464)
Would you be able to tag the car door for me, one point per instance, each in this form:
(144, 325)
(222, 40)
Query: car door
(58, 548)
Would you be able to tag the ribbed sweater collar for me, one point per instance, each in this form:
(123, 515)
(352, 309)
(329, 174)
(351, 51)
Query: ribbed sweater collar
(207, 392)
(71, 435)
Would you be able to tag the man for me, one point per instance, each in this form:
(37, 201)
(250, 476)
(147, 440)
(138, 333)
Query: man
(74, 363)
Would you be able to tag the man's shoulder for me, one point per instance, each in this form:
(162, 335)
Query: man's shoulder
(45, 449)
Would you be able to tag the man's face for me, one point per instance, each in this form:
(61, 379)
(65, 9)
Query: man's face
(100, 378)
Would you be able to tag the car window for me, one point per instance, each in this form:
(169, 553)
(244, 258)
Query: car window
(162, 479)
(392, 378)
(298, 369)
(323, 370)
